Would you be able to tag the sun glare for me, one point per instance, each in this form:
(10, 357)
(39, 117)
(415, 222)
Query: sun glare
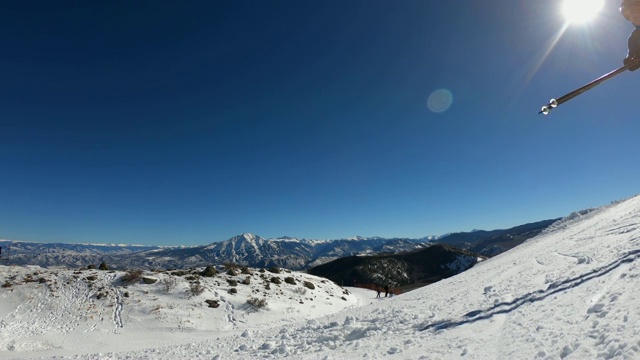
(579, 11)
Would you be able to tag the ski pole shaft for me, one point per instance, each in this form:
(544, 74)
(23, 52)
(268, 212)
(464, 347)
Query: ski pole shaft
(555, 102)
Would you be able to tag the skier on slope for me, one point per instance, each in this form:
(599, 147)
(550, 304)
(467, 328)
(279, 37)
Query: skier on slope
(631, 11)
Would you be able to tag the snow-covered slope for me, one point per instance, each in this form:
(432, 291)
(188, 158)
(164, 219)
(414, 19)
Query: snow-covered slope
(573, 292)
(63, 311)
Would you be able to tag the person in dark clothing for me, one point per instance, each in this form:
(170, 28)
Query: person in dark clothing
(386, 290)
(630, 9)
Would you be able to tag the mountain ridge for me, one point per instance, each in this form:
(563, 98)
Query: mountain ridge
(253, 250)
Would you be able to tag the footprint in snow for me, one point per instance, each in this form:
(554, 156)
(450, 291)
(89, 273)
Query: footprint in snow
(597, 308)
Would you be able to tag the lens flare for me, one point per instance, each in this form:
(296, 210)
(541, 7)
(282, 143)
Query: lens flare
(440, 100)
(580, 11)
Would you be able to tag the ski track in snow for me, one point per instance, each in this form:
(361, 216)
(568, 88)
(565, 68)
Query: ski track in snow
(570, 293)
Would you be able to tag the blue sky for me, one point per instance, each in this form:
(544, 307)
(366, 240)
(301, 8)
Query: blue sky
(159, 122)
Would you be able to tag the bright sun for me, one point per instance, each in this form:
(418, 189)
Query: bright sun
(578, 11)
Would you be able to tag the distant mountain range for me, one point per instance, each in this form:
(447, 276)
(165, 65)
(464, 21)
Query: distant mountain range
(490, 243)
(247, 249)
(252, 250)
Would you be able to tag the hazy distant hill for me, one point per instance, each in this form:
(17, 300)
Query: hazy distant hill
(490, 243)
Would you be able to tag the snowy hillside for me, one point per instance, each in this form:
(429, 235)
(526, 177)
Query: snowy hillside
(61, 311)
(573, 292)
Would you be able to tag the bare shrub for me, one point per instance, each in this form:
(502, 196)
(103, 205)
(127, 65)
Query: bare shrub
(257, 303)
(132, 276)
(168, 284)
(276, 280)
(274, 270)
(196, 288)
(300, 291)
(290, 280)
(309, 285)
(231, 265)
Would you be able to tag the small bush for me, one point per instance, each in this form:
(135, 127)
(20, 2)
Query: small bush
(245, 270)
(231, 272)
(290, 280)
(261, 271)
(233, 291)
(196, 288)
(275, 270)
(231, 266)
(247, 280)
(276, 280)
(91, 267)
(103, 266)
(232, 282)
(213, 303)
(257, 303)
(209, 271)
(7, 284)
(168, 284)
(132, 276)
(309, 285)
(300, 291)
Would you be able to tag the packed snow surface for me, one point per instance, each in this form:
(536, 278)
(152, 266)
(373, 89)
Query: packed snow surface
(572, 292)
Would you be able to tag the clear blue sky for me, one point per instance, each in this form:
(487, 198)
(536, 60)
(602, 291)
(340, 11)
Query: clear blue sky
(158, 122)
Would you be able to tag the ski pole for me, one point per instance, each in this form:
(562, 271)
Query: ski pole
(553, 103)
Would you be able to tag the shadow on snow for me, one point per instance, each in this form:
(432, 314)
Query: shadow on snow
(539, 295)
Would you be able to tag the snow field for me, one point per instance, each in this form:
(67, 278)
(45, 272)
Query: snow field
(570, 293)
(75, 312)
